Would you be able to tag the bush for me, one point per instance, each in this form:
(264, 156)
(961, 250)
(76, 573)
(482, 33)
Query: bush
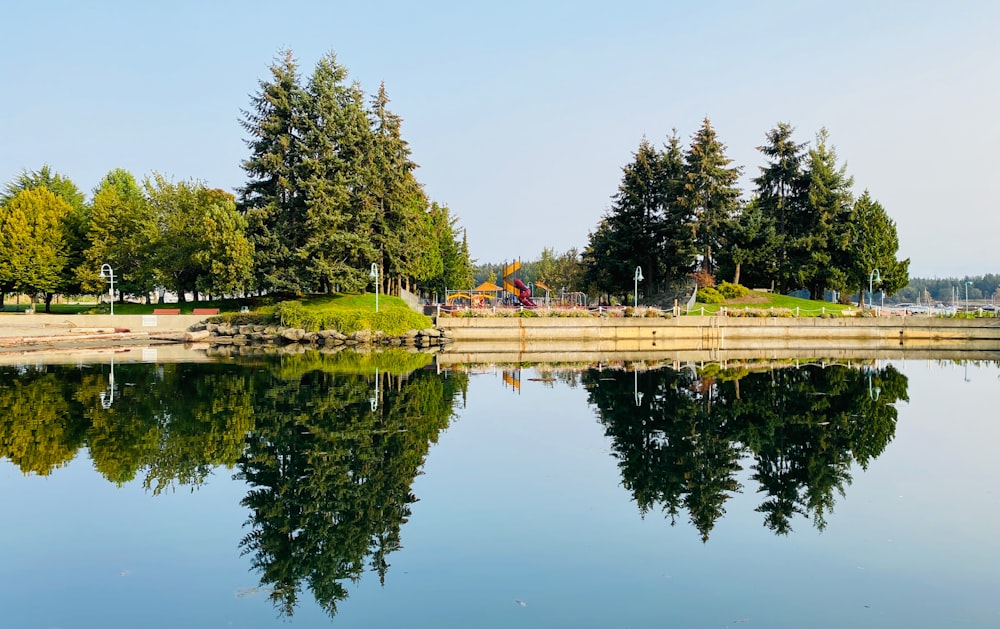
(733, 291)
(709, 295)
(293, 314)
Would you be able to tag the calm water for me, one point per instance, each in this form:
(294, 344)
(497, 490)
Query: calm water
(315, 491)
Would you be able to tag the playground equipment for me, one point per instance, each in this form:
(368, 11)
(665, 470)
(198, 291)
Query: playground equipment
(517, 288)
(524, 295)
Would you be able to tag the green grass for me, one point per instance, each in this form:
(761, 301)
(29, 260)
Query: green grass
(349, 313)
(766, 301)
(345, 313)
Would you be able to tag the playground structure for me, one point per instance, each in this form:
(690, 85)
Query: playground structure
(514, 292)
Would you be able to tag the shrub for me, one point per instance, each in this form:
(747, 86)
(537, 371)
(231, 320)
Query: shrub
(709, 295)
(733, 291)
(703, 278)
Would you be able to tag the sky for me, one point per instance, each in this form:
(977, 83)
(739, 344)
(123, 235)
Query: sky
(522, 115)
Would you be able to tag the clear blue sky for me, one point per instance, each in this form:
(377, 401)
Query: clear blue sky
(522, 114)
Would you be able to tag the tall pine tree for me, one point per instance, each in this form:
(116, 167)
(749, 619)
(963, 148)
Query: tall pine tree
(820, 249)
(781, 195)
(272, 199)
(710, 192)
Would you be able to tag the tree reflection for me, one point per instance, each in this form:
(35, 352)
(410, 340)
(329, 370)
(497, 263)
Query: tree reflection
(680, 444)
(329, 472)
(331, 477)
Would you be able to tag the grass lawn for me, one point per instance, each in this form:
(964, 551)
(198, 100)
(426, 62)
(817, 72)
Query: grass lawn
(764, 301)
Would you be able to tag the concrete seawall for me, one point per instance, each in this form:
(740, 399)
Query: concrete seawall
(552, 339)
(17, 324)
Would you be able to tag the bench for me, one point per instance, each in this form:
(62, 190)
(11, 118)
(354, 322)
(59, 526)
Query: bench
(166, 311)
(205, 311)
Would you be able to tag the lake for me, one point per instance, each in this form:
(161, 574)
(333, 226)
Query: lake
(356, 490)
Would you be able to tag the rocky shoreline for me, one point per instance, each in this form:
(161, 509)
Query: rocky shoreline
(224, 338)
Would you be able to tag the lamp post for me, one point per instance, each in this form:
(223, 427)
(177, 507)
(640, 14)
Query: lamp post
(108, 274)
(638, 278)
(968, 283)
(874, 275)
(374, 275)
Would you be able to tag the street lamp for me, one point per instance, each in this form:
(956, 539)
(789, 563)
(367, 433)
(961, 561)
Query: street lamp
(638, 278)
(374, 275)
(967, 285)
(108, 274)
(874, 275)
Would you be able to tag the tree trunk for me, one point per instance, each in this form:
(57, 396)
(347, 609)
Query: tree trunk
(48, 302)
(736, 274)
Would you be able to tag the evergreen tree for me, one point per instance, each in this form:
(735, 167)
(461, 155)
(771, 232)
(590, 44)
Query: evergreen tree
(337, 174)
(675, 231)
(874, 245)
(781, 195)
(400, 230)
(753, 245)
(453, 268)
(645, 227)
(272, 199)
(820, 250)
(710, 193)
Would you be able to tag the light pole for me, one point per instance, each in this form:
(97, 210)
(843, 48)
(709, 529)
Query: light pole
(108, 274)
(967, 285)
(638, 278)
(874, 275)
(374, 275)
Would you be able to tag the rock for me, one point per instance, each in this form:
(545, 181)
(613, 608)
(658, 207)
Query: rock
(293, 334)
(197, 335)
(431, 332)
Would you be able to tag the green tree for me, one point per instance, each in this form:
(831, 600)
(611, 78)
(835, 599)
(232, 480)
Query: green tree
(820, 248)
(203, 243)
(75, 222)
(336, 178)
(122, 232)
(710, 193)
(272, 199)
(781, 195)
(400, 229)
(44, 177)
(874, 245)
(753, 245)
(449, 255)
(645, 227)
(226, 257)
(32, 242)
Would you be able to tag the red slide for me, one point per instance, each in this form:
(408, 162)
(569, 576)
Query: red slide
(524, 296)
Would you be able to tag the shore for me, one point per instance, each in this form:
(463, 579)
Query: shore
(27, 332)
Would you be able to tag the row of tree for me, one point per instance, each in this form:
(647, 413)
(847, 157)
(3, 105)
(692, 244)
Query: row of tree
(679, 211)
(158, 235)
(330, 192)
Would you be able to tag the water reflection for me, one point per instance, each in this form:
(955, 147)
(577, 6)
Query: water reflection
(329, 445)
(330, 472)
(681, 436)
